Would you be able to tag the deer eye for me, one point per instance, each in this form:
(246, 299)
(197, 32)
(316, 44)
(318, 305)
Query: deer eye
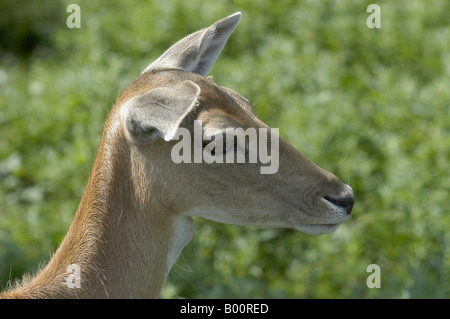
(216, 145)
(221, 144)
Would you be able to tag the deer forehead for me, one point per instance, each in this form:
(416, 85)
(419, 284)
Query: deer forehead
(217, 106)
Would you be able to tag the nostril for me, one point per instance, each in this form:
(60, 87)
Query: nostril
(344, 202)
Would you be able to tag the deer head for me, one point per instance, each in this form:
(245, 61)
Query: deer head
(173, 93)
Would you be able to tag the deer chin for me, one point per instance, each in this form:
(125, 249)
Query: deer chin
(317, 229)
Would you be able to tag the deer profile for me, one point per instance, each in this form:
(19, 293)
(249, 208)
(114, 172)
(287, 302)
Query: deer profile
(135, 216)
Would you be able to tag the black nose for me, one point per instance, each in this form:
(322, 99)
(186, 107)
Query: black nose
(345, 202)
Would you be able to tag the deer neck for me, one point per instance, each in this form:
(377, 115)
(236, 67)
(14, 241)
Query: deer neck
(122, 238)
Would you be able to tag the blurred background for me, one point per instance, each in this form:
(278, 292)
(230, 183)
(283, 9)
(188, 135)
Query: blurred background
(370, 105)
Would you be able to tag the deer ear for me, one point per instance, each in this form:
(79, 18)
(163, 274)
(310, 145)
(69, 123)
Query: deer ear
(198, 52)
(159, 112)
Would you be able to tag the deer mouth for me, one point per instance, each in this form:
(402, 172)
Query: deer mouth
(331, 216)
(341, 209)
(334, 211)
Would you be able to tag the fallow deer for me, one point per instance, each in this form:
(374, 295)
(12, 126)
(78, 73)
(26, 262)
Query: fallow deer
(135, 215)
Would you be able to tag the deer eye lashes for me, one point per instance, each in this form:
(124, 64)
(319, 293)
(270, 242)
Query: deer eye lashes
(225, 144)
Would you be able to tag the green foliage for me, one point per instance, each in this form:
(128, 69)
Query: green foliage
(370, 105)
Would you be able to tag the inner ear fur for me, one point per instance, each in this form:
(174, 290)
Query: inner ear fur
(160, 111)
